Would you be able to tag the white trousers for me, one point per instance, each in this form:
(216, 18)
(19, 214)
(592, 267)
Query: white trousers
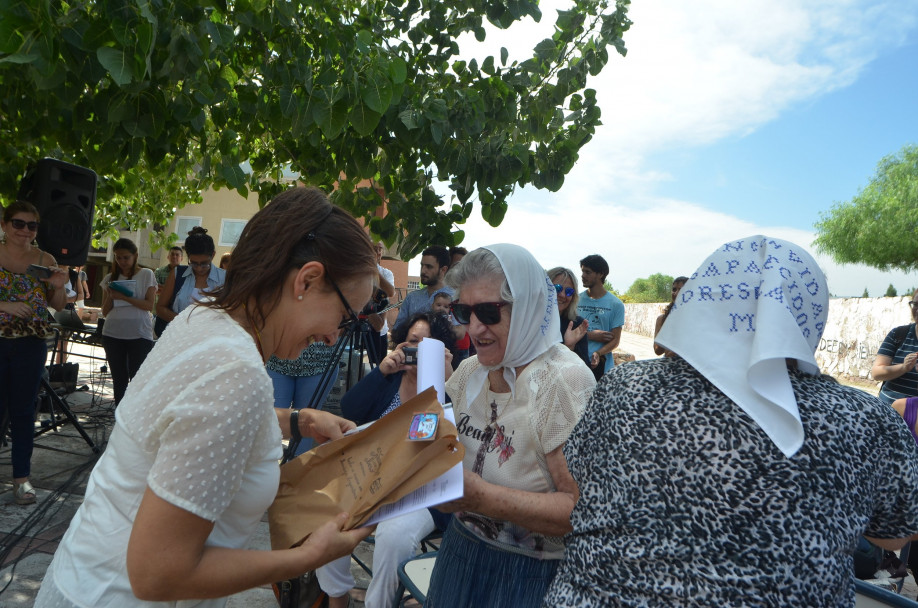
(397, 539)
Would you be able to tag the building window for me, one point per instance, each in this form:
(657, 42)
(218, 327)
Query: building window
(230, 231)
(414, 285)
(184, 224)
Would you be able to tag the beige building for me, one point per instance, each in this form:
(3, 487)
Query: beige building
(224, 214)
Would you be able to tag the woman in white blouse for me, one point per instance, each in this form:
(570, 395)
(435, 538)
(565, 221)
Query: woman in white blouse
(192, 463)
(127, 334)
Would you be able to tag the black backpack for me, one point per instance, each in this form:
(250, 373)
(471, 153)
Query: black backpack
(159, 325)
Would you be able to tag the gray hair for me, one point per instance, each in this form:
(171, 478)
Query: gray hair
(554, 273)
(479, 265)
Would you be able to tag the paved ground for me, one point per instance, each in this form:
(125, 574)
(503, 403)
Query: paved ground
(61, 465)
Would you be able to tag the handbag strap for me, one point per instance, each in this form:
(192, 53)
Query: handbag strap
(179, 281)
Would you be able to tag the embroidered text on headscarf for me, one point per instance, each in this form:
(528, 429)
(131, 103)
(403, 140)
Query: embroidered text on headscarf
(780, 257)
(751, 305)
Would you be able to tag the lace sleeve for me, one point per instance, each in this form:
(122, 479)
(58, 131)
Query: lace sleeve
(565, 385)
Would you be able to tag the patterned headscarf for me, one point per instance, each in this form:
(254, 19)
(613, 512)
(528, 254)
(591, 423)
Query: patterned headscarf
(752, 304)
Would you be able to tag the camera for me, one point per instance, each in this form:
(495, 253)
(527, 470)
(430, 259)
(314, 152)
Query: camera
(380, 301)
(411, 355)
(39, 272)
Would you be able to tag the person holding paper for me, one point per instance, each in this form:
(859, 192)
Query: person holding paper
(194, 282)
(734, 474)
(393, 382)
(192, 462)
(516, 403)
(378, 393)
(128, 292)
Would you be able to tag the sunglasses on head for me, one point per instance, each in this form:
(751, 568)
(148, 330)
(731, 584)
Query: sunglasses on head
(567, 291)
(20, 224)
(488, 313)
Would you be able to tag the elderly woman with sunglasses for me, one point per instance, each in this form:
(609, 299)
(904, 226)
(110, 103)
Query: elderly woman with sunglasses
(516, 403)
(192, 462)
(573, 327)
(24, 301)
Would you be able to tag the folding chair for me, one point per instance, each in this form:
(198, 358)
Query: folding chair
(872, 596)
(414, 577)
(431, 542)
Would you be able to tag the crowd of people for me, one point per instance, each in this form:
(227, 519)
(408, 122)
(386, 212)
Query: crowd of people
(727, 472)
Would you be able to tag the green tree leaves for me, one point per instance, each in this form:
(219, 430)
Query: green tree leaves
(877, 227)
(165, 99)
(655, 288)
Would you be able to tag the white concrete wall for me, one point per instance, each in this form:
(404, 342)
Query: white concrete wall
(856, 328)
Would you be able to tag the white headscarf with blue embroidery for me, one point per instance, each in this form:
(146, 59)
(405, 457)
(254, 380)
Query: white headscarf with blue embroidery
(752, 304)
(534, 320)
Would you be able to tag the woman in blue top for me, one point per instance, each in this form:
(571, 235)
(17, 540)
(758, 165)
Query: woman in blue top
(197, 279)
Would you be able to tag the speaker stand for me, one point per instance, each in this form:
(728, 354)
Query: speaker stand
(57, 402)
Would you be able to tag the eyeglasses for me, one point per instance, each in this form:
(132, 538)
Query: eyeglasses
(20, 224)
(350, 311)
(913, 304)
(567, 291)
(487, 313)
(201, 265)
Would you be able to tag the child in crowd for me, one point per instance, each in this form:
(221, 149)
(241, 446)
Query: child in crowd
(440, 305)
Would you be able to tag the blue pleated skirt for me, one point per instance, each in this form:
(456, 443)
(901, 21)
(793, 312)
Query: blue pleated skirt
(470, 573)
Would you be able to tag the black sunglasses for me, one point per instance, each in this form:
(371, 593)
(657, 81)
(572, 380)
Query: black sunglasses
(487, 313)
(913, 304)
(567, 291)
(20, 224)
(350, 311)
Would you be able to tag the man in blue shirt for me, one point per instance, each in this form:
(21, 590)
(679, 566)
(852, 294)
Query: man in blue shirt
(434, 264)
(604, 312)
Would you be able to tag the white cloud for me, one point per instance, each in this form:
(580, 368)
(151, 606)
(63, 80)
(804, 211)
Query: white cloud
(669, 236)
(696, 73)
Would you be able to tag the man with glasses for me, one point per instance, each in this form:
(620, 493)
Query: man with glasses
(434, 264)
(604, 312)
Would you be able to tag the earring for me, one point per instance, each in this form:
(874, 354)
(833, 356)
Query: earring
(299, 297)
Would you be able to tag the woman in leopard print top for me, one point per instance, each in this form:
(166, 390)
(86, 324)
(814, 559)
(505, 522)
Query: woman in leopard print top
(687, 500)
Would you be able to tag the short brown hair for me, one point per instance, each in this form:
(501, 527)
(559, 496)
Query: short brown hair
(18, 206)
(298, 226)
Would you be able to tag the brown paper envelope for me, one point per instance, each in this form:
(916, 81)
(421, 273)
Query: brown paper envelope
(425, 467)
(361, 472)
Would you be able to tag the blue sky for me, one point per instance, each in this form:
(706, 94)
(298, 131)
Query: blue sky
(812, 156)
(726, 119)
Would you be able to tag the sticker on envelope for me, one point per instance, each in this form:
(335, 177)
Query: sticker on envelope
(423, 427)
